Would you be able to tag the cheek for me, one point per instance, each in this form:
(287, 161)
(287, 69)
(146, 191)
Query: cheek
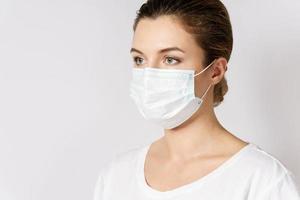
(199, 86)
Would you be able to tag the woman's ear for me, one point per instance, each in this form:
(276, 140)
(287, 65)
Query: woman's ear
(219, 69)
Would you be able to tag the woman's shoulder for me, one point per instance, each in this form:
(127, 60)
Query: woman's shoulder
(119, 169)
(263, 166)
(260, 159)
(264, 170)
(122, 162)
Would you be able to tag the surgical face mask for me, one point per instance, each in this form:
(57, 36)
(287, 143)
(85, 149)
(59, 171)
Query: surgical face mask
(165, 96)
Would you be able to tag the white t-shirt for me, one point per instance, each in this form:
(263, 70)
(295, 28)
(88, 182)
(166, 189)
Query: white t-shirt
(250, 174)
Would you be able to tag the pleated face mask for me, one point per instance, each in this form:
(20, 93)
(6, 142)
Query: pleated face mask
(165, 96)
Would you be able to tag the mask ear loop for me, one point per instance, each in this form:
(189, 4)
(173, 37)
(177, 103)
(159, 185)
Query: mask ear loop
(205, 68)
(202, 72)
(206, 91)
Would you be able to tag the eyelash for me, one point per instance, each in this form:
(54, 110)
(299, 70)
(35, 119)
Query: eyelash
(167, 57)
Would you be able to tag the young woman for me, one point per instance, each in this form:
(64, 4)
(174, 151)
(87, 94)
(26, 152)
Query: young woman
(180, 50)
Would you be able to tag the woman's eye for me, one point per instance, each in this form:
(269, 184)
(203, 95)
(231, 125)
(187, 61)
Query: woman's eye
(170, 59)
(137, 60)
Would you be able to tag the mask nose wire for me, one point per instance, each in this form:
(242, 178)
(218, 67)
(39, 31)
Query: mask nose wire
(205, 68)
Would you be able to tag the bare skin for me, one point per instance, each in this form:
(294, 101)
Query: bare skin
(201, 144)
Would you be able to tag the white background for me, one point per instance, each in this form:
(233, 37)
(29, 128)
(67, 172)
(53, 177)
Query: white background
(64, 105)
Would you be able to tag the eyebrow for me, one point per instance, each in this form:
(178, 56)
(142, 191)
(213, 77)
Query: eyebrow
(160, 51)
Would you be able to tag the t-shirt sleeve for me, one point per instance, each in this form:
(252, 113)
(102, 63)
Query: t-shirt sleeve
(284, 188)
(101, 182)
(99, 188)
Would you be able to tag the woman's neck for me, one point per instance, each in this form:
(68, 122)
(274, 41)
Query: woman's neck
(196, 136)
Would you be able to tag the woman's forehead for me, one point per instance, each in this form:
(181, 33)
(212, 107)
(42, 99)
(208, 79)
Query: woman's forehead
(161, 33)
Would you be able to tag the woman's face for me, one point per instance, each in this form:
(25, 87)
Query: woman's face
(163, 43)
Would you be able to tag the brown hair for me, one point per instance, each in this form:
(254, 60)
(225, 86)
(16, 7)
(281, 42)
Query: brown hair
(207, 20)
